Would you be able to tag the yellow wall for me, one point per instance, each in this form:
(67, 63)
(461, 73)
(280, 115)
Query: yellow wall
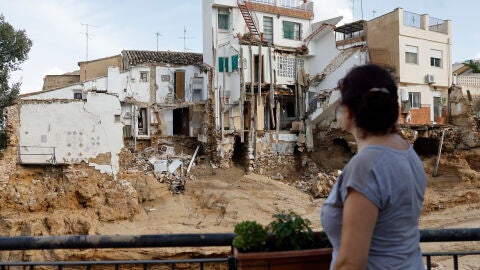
(98, 68)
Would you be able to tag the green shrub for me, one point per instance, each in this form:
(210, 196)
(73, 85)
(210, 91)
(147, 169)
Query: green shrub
(288, 231)
(251, 236)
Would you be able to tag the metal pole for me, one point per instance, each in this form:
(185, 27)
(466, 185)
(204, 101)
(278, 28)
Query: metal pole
(435, 171)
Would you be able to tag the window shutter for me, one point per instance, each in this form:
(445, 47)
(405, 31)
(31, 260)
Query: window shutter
(220, 64)
(234, 62)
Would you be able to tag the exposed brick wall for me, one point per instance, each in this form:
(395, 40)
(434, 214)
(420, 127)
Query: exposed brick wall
(420, 115)
(56, 81)
(296, 13)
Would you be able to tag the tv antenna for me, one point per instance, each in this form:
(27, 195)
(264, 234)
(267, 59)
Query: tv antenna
(185, 38)
(87, 36)
(158, 35)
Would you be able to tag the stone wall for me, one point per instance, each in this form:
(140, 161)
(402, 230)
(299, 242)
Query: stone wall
(271, 152)
(9, 157)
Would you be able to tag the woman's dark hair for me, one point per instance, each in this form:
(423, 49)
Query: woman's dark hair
(370, 92)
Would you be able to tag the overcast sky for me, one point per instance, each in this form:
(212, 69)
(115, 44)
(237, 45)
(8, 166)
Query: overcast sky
(55, 26)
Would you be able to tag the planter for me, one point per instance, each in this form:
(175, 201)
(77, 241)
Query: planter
(283, 260)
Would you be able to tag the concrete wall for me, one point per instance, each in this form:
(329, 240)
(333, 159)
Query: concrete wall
(80, 131)
(99, 67)
(56, 81)
(382, 39)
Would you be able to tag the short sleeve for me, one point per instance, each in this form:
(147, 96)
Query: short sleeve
(361, 177)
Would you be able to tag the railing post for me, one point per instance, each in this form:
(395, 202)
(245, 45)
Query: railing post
(455, 262)
(429, 262)
(232, 263)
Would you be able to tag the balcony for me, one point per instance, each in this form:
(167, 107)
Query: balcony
(220, 260)
(350, 35)
(425, 22)
(301, 9)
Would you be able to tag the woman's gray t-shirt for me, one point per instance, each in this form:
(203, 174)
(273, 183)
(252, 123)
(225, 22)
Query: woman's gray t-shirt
(394, 180)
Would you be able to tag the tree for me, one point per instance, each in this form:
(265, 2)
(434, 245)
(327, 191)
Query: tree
(14, 48)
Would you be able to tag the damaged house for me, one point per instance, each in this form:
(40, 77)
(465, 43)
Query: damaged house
(275, 71)
(125, 100)
(258, 55)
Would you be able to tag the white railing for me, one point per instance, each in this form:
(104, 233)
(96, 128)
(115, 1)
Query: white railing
(469, 80)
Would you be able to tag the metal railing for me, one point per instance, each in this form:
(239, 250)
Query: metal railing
(37, 155)
(437, 25)
(412, 19)
(186, 240)
(291, 4)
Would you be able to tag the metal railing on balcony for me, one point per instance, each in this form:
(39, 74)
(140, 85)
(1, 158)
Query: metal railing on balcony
(292, 4)
(185, 240)
(437, 25)
(412, 19)
(37, 155)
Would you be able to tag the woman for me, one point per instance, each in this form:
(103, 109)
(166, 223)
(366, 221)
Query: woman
(371, 215)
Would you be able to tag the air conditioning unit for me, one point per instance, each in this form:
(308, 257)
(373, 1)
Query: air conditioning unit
(429, 78)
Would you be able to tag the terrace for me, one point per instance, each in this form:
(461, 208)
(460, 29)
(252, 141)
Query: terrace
(425, 22)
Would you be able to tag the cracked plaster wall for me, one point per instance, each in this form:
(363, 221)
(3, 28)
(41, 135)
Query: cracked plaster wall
(80, 131)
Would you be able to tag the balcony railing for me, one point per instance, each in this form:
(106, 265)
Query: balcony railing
(412, 19)
(291, 4)
(437, 25)
(186, 240)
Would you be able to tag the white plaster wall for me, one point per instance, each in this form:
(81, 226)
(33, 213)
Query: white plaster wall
(78, 130)
(165, 87)
(139, 91)
(62, 93)
(331, 81)
(96, 84)
(415, 73)
(323, 50)
(427, 93)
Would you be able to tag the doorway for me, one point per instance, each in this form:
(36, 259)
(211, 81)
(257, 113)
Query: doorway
(181, 121)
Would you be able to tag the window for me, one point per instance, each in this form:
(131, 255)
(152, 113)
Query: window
(268, 29)
(436, 58)
(77, 94)
(223, 64)
(292, 30)
(143, 76)
(223, 19)
(414, 98)
(411, 54)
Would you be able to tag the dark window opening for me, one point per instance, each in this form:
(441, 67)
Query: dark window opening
(257, 66)
(238, 156)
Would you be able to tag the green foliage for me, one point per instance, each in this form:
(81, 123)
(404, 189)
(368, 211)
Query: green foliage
(14, 48)
(474, 65)
(251, 236)
(291, 231)
(287, 231)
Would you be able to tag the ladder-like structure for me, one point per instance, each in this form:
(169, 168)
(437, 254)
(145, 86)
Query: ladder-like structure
(248, 17)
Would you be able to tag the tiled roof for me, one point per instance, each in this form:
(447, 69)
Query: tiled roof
(133, 57)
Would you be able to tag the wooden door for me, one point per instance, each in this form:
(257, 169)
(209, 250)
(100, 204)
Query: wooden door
(180, 84)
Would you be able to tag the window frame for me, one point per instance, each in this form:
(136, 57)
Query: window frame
(409, 50)
(142, 78)
(296, 34)
(434, 59)
(415, 100)
(265, 33)
(221, 22)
